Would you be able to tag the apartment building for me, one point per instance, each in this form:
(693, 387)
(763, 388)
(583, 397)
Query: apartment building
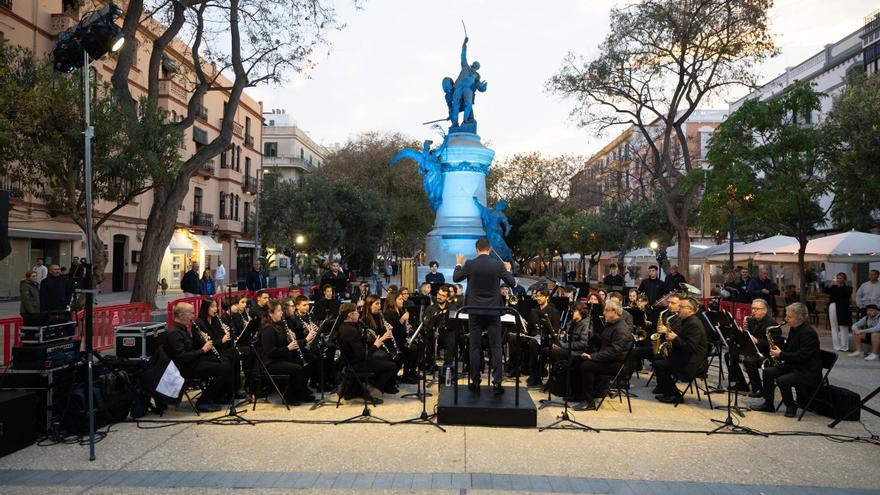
(288, 150)
(214, 223)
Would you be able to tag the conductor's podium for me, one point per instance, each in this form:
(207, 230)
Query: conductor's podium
(463, 407)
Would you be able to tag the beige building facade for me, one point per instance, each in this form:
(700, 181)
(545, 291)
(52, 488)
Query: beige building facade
(214, 223)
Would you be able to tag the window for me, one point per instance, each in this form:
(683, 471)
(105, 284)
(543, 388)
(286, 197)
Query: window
(270, 149)
(197, 200)
(247, 166)
(247, 126)
(271, 123)
(302, 154)
(247, 212)
(222, 205)
(238, 159)
(237, 199)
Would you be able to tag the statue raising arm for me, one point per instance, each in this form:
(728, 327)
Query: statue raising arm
(464, 62)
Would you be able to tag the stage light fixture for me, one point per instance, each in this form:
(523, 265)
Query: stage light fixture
(67, 55)
(96, 34)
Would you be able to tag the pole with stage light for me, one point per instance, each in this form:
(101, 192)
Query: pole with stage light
(94, 36)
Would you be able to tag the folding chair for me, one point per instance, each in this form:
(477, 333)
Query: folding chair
(829, 359)
(259, 371)
(619, 383)
(194, 384)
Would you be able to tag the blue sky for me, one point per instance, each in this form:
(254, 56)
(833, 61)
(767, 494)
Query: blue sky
(383, 71)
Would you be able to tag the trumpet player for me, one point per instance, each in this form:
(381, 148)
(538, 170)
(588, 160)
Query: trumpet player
(800, 362)
(687, 353)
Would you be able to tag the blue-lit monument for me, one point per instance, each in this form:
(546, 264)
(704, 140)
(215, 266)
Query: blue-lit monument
(455, 178)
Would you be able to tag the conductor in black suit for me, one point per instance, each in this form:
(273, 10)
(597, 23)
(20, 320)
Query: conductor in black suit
(484, 275)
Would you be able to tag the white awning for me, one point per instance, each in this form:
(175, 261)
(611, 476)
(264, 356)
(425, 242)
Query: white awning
(180, 242)
(245, 244)
(208, 244)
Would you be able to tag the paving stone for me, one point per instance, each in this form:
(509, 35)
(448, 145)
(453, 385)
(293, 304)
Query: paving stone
(344, 480)
(402, 481)
(364, 480)
(421, 482)
(441, 481)
(383, 481)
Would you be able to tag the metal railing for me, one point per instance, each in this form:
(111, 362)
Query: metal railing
(249, 140)
(207, 168)
(200, 219)
(202, 112)
(250, 184)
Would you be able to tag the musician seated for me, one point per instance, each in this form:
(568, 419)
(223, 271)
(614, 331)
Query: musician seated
(374, 321)
(232, 315)
(258, 311)
(209, 323)
(436, 327)
(603, 357)
(364, 351)
(196, 358)
(666, 320)
(545, 321)
(626, 317)
(395, 314)
(756, 328)
(799, 362)
(297, 319)
(688, 348)
(281, 356)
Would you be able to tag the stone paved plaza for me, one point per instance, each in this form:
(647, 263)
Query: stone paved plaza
(300, 450)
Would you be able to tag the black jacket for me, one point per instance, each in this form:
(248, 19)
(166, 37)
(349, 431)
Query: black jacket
(191, 283)
(689, 350)
(580, 336)
(613, 280)
(484, 275)
(339, 282)
(436, 280)
(183, 349)
(614, 343)
(758, 328)
(352, 343)
(801, 351)
(30, 297)
(755, 287)
(55, 293)
(552, 316)
(653, 288)
(256, 280)
(673, 282)
(274, 342)
(841, 297)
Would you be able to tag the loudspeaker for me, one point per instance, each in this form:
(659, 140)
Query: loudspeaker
(18, 425)
(5, 248)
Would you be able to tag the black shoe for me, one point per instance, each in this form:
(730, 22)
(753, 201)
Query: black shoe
(656, 390)
(585, 406)
(497, 389)
(205, 407)
(668, 398)
(474, 386)
(756, 394)
(533, 383)
(391, 390)
(765, 407)
(790, 411)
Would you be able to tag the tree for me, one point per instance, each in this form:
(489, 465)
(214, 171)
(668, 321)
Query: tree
(542, 181)
(765, 149)
(365, 162)
(252, 42)
(333, 216)
(45, 152)
(852, 131)
(661, 60)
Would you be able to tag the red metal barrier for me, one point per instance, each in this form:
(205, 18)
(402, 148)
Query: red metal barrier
(196, 301)
(106, 318)
(737, 309)
(277, 292)
(9, 333)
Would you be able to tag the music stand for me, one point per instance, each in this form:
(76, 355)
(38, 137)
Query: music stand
(321, 401)
(733, 338)
(423, 417)
(232, 416)
(250, 330)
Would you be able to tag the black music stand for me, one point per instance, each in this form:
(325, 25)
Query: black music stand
(424, 417)
(365, 416)
(566, 421)
(232, 416)
(734, 338)
(322, 349)
(548, 338)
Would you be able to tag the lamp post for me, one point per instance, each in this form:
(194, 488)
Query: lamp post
(299, 240)
(91, 39)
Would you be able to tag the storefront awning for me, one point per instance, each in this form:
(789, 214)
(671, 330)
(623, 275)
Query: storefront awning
(208, 244)
(180, 242)
(45, 234)
(245, 244)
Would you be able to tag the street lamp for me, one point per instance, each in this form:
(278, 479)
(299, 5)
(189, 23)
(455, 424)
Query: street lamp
(300, 240)
(91, 39)
(653, 245)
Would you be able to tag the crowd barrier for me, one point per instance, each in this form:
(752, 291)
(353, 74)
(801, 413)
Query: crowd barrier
(737, 309)
(104, 320)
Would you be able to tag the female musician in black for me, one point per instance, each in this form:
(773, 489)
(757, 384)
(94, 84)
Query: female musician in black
(394, 314)
(296, 316)
(280, 356)
(209, 323)
(372, 318)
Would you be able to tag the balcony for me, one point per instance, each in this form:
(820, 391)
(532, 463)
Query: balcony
(207, 168)
(250, 184)
(6, 4)
(249, 141)
(289, 161)
(12, 185)
(202, 112)
(236, 127)
(169, 88)
(200, 219)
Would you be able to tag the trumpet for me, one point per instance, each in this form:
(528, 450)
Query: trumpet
(291, 338)
(641, 335)
(206, 338)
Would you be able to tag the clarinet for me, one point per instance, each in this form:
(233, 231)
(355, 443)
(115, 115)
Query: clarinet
(310, 328)
(290, 339)
(395, 350)
(205, 337)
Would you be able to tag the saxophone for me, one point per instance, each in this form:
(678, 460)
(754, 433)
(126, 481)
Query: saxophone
(770, 361)
(657, 346)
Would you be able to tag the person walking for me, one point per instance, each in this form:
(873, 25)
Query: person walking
(220, 276)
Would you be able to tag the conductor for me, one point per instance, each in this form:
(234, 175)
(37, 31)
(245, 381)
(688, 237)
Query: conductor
(484, 276)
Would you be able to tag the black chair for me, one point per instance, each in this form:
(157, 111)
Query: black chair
(197, 384)
(693, 384)
(351, 377)
(257, 373)
(829, 359)
(619, 383)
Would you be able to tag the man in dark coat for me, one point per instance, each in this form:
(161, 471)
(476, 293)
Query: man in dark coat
(652, 286)
(687, 354)
(603, 358)
(674, 279)
(191, 284)
(799, 362)
(484, 275)
(55, 291)
(256, 279)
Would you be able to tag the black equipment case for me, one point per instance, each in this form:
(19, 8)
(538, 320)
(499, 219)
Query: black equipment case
(138, 340)
(47, 333)
(44, 356)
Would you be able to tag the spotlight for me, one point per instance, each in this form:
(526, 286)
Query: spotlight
(96, 34)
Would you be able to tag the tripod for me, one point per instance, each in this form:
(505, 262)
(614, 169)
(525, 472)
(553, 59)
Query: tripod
(566, 421)
(546, 337)
(424, 417)
(733, 350)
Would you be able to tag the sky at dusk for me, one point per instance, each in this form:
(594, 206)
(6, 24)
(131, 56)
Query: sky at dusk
(384, 69)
